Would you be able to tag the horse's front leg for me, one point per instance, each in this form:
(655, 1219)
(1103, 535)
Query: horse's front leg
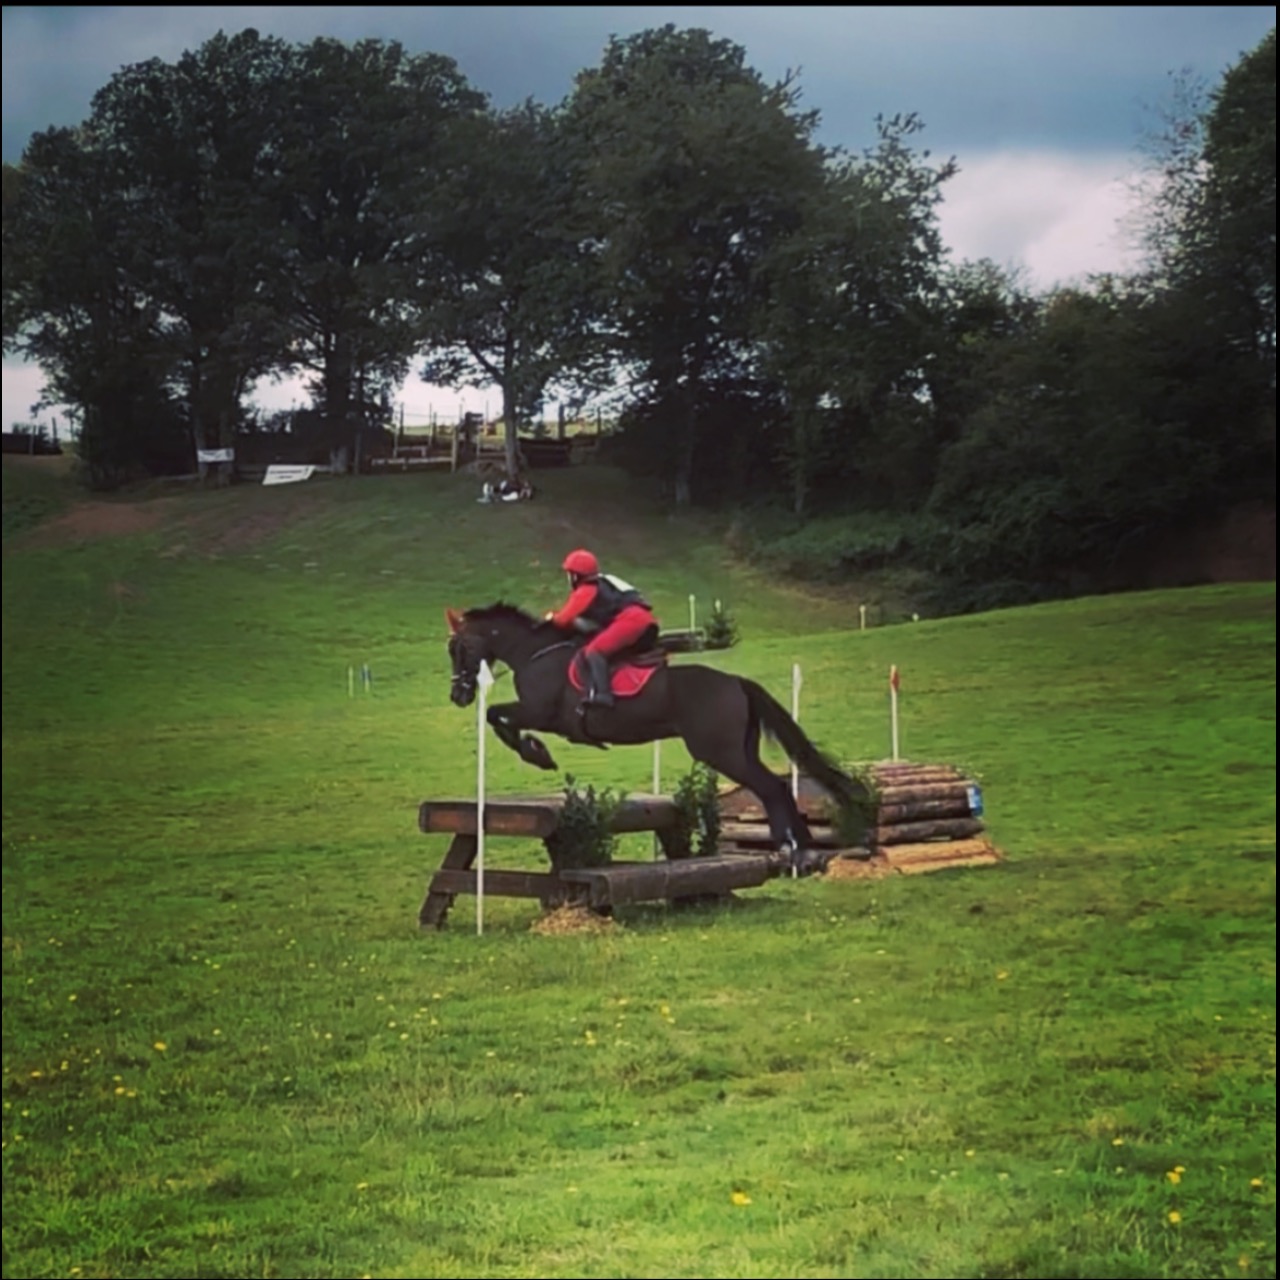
(508, 720)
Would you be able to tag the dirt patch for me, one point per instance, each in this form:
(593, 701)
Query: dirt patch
(215, 534)
(124, 591)
(1239, 546)
(90, 521)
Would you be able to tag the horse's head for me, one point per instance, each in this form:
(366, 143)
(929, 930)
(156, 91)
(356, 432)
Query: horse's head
(497, 633)
(468, 648)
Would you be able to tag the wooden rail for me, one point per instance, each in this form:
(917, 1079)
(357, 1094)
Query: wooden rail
(537, 818)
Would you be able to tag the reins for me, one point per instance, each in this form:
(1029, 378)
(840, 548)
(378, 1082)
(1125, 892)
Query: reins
(551, 648)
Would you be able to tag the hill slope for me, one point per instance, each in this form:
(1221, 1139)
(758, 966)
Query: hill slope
(228, 1050)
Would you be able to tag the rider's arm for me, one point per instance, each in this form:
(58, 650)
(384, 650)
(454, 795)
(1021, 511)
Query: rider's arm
(578, 600)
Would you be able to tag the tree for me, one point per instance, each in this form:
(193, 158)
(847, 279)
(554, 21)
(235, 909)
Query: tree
(196, 146)
(847, 326)
(72, 305)
(978, 309)
(508, 290)
(696, 167)
(363, 144)
(1208, 205)
(1100, 421)
(1239, 206)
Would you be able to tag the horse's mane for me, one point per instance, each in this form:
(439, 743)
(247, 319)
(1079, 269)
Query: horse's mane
(500, 610)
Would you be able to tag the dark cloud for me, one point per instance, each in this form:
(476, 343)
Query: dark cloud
(983, 78)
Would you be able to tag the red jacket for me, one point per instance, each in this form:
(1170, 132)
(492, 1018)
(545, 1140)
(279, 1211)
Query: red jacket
(580, 599)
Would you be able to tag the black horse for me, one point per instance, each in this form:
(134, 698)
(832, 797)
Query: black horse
(719, 716)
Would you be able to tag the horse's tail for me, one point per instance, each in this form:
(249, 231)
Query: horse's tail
(852, 800)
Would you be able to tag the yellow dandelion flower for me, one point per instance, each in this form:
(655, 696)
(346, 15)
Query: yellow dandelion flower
(1002, 975)
(160, 1046)
(362, 1186)
(1243, 1262)
(971, 1153)
(73, 997)
(1117, 1142)
(1175, 1217)
(740, 1198)
(1174, 1176)
(1255, 1182)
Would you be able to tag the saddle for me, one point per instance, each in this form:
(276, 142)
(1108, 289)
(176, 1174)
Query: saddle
(630, 669)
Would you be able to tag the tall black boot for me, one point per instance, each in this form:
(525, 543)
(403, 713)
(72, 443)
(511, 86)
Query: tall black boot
(599, 692)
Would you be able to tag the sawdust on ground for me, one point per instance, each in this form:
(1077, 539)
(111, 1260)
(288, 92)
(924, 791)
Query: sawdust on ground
(857, 869)
(572, 919)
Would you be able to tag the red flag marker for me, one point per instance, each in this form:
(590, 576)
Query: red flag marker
(893, 708)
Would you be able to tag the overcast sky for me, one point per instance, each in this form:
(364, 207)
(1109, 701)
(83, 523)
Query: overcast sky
(1043, 108)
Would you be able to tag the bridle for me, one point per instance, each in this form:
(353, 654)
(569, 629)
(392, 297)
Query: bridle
(465, 659)
(462, 684)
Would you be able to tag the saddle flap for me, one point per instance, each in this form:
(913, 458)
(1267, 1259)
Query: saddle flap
(627, 677)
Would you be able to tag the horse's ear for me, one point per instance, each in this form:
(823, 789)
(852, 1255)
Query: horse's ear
(454, 619)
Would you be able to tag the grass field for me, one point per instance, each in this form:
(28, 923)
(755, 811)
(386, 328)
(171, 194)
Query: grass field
(228, 1050)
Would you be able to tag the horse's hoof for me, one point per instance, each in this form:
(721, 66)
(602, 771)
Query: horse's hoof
(536, 753)
(807, 862)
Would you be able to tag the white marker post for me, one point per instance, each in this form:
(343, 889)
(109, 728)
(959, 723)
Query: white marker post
(893, 708)
(657, 786)
(795, 715)
(795, 769)
(484, 679)
(693, 621)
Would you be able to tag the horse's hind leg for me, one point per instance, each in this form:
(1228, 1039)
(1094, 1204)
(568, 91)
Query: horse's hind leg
(739, 760)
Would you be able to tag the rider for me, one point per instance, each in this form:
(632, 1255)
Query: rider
(613, 610)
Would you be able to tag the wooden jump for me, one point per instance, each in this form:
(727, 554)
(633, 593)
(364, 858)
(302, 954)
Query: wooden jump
(537, 818)
(927, 816)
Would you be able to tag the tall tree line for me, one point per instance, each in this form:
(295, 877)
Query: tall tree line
(782, 318)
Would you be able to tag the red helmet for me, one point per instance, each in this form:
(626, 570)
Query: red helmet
(582, 562)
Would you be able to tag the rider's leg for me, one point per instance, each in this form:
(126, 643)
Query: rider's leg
(624, 630)
(599, 693)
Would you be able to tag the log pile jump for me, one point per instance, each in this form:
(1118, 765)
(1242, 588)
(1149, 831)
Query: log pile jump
(926, 817)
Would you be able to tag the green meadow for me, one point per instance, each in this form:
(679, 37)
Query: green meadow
(229, 1050)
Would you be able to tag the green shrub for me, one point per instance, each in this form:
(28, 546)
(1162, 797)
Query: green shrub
(583, 837)
(828, 548)
(721, 629)
(697, 799)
